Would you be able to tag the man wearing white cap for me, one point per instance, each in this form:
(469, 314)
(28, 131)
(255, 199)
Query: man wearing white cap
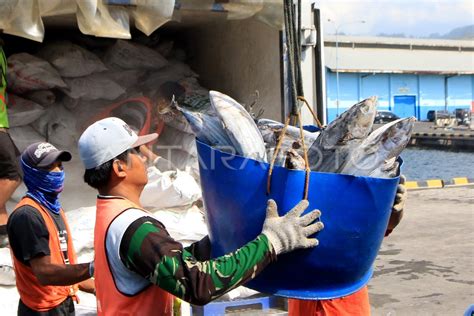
(133, 250)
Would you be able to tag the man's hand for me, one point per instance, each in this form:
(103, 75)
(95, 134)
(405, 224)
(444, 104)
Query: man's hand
(398, 206)
(291, 231)
(87, 286)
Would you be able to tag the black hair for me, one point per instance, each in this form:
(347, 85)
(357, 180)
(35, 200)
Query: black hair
(99, 177)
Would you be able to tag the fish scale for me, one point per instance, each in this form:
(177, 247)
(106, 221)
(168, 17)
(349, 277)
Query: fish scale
(207, 127)
(330, 150)
(376, 155)
(239, 126)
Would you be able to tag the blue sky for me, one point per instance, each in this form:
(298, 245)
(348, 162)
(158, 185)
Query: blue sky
(416, 17)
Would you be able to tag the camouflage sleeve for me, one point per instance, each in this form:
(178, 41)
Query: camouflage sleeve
(147, 249)
(201, 250)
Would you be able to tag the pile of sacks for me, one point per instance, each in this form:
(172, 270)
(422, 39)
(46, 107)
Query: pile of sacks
(56, 93)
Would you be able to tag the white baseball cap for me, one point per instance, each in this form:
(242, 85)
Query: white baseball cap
(106, 139)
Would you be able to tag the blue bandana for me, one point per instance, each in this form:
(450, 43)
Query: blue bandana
(44, 186)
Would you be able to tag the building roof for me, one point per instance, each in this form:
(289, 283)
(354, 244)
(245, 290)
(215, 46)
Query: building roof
(399, 55)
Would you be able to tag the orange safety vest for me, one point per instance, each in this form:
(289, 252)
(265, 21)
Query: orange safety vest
(356, 304)
(110, 301)
(34, 295)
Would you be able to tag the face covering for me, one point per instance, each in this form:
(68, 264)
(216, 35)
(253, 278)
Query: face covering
(44, 186)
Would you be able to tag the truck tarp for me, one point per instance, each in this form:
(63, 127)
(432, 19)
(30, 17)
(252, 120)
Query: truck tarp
(112, 18)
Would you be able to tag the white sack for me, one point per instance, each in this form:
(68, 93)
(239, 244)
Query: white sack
(169, 189)
(173, 138)
(150, 15)
(93, 87)
(82, 221)
(58, 126)
(184, 225)
(24, 136)
(21, 18)
(27, 72)
(56, 7)
(70, 59)
(96, 18)
(43, 97)
(126, 78)
(128, 55)
(179, 158)
(22, 111)
(7, 274)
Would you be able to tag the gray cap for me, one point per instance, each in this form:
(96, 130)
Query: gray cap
(106, 139)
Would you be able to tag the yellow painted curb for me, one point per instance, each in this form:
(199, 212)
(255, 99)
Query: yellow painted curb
(434, 183)
(460, 181)
(411, 185)
(439, 183)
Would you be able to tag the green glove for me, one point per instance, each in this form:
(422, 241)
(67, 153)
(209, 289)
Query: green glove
(291, 231)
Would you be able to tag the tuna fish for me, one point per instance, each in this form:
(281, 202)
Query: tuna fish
(207, 128)
(376, 155)
(239, 126)
(271, 131)
(330, 150)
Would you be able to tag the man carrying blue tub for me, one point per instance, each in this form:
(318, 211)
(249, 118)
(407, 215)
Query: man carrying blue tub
(138, 266)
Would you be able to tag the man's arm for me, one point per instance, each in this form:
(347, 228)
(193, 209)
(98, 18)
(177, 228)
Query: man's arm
(201, 249)
(87, 286)
(58, 274)
(147, 249)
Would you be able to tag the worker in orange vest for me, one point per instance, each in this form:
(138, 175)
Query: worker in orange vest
(356, 304)
(138, 266)
(45, 264)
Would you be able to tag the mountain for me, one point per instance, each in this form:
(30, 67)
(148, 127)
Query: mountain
(463, 33)
(459, 33)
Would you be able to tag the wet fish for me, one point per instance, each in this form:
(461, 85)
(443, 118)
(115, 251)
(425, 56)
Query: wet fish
(239, 126)
(330, 150)
(376, 155)
(207, 128)
(388, 170)
(271, 131)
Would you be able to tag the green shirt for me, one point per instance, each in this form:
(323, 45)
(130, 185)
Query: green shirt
(3, 90)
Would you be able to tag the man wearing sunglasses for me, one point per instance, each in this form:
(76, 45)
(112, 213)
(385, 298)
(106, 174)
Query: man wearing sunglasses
(138, 266)
(46, 269)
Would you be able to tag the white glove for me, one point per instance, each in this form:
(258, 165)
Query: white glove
(398, 206)
(401, 197)
(291, 231)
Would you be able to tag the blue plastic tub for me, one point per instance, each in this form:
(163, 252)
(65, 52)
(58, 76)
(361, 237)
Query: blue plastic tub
(355, 213)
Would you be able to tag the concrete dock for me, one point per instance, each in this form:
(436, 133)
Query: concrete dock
(427, 134)
(426, 266)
